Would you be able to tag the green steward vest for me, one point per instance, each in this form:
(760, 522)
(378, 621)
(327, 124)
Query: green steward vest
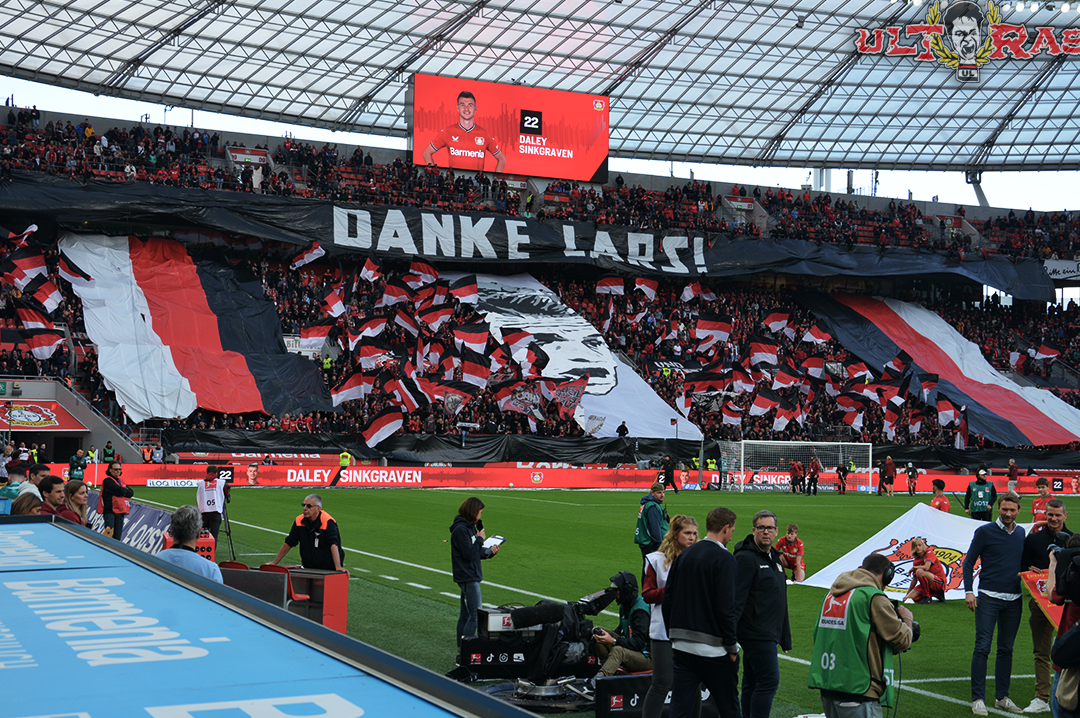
(641, 532)
(841, 642)
(624, 623)
(980, 496)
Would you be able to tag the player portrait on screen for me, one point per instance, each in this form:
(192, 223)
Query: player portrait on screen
(466, 143)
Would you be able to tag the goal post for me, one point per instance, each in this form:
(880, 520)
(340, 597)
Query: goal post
(765, 465)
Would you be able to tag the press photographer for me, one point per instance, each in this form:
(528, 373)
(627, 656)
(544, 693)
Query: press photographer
(1063, 588)
(857, 635)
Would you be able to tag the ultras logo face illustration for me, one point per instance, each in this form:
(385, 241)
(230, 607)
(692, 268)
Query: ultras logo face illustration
(966, 36)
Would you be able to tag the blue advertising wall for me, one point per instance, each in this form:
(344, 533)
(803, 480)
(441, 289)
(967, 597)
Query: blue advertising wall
(92, 630)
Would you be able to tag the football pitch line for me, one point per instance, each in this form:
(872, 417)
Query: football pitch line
(904, 685)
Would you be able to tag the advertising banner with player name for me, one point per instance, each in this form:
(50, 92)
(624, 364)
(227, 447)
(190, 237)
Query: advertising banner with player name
(484, 126)
(186, 476)
(948, 535)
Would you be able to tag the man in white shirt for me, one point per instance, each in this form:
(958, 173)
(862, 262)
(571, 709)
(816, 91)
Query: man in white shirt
(213, 492)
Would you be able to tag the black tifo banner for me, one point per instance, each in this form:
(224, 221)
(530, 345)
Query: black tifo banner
(476, 238)
(436, 235)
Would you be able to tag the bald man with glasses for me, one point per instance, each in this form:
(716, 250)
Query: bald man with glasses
(316, 532)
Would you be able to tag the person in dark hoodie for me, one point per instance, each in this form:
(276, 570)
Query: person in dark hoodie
(652, 523)
(761, 613)
(466, 551)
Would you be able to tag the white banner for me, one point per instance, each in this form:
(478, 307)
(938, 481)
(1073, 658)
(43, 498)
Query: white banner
(1062, 268)
(948, 535)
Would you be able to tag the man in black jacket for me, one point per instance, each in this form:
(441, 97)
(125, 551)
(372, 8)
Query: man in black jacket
(762, 614)
(699, 611)
(1036, 555)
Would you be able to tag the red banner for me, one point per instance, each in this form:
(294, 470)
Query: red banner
(1035, 583)
(36, 416)
(381, 476)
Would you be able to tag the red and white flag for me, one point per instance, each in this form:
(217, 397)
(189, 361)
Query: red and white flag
(424, 270)
(44, 292)
(371, 270)
(382, 425)
(777, 319)
(314, 335)
(435, 317)
(732, 414)
(308, 256)
(647, 286)
(517, 339)
(42, 342)
(474, 336)
(331, 302)
(406, 321)
(690, 291)
(32, 316)
(22, 266)
(475, 368)
(762, 351)
(465, 290)
(395, 291)
(372, 327)
(72, 273)
(610, 284)
(816, 335)
(351, 388)
(764, 401)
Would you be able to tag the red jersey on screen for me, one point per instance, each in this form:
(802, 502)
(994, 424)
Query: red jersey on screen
(468, 148)
(941, 503)
(792, 551)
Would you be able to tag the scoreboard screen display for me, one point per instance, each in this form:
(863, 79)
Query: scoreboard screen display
(509, 129)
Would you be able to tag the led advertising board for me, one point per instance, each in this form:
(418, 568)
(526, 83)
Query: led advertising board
(509, 129)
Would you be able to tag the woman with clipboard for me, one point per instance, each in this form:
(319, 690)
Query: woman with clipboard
(467, 549)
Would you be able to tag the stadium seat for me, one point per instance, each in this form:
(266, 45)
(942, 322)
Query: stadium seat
(293, 596)
(233, 564)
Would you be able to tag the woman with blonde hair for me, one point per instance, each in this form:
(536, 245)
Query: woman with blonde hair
(75, 493)
(681, 534)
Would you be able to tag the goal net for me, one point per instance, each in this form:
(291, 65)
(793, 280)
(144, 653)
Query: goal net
(766, 465)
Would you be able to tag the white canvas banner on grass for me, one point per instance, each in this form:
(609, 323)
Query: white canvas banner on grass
(948, 534)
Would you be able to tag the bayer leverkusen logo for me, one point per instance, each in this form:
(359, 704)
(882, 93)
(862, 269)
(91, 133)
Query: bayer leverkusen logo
(966, 36)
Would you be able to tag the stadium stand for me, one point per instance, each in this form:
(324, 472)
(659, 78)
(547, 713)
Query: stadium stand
(656, 335)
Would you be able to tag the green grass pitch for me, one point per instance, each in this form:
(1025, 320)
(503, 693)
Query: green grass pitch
(565, 544)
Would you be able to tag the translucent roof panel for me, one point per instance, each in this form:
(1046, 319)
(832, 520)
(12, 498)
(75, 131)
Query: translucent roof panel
(770, 83)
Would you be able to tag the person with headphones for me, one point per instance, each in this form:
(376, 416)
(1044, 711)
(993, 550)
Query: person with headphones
(857, 634)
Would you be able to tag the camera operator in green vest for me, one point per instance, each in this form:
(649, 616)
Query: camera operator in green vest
(980, 498)
(857, 634)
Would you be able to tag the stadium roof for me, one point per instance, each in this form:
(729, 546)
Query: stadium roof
(771, 83)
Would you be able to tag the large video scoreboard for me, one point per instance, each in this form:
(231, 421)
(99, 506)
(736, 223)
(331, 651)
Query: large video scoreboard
(472, 126)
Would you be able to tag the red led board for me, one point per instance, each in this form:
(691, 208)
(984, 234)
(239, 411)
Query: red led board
(509, 129)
